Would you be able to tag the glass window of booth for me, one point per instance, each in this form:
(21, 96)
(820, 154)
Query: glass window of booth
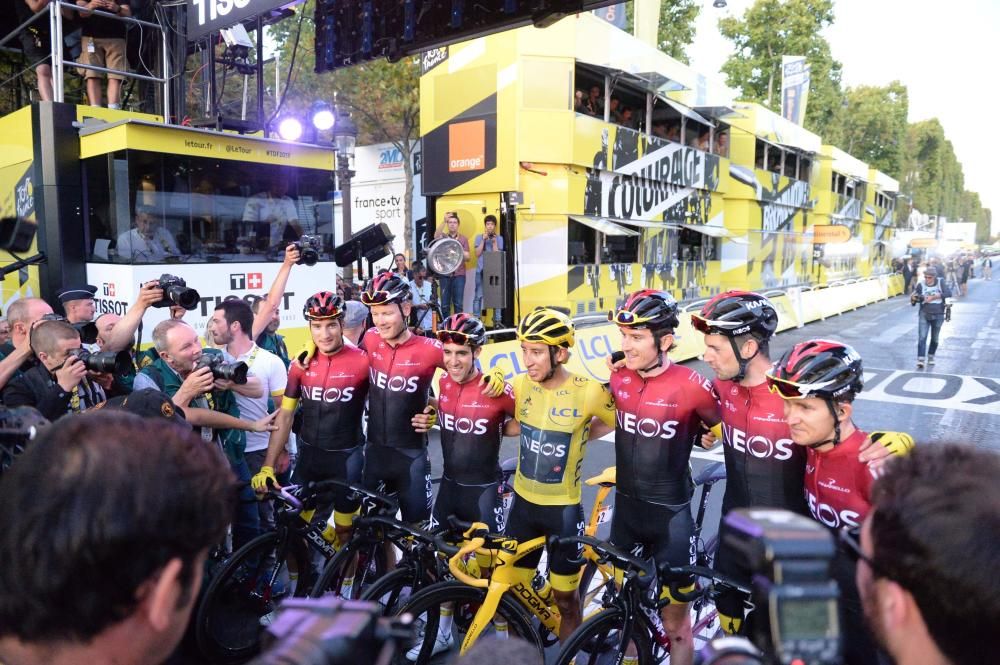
(147, 207)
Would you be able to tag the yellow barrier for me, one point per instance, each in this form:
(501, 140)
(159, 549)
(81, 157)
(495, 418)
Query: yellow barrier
(595, 343)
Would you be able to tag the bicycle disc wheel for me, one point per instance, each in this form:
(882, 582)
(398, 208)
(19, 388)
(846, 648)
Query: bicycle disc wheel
(425, 607)
(368, 562)
(598, 641)
(240, 599)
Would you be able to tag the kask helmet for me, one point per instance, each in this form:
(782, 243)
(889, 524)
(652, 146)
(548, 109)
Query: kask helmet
(387, 287)
(547, 325)
(323, 305)
(736, 313)
(817, 368)
(462, 328)
(655, 310)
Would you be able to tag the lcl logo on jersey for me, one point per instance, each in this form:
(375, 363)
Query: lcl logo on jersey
(397, 384)
(757, 445)
(829, 515)
(464, 425)
(329, 395)
(647, 426)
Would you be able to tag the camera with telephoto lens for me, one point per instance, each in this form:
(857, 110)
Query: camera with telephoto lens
(333, 631)
(109, 362)
(176, 292)
(795, 601)
(18, 427)
(235, 372)
(309, 248)
(916, 299)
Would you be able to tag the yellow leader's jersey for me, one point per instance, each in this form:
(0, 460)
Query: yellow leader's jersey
(555, 426)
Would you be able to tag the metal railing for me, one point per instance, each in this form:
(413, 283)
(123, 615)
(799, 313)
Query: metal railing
(59, 63)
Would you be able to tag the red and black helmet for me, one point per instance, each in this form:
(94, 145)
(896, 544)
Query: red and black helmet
(462, 328)
(323, 305)
(387, 287)
(736, 313)
(817, 368)
(655, 310)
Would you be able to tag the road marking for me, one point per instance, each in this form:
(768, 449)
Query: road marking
(890, 335)
(943, 391)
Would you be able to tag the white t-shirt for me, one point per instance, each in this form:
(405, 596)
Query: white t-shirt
(276, 211)
(272, 374)
(422, 295)
(132, 246)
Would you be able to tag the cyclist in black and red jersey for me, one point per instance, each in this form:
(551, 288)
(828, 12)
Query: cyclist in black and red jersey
(402, 366)
(471, 428)
(331, 389)
(764, 468)
(818, 381)
(660, 408)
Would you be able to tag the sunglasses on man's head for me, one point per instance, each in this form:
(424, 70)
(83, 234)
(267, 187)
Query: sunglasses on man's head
(375, 298)
(453, 337)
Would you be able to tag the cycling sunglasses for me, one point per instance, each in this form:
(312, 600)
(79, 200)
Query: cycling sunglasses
(453, 337)
(623, 317)
(791, 390)
(375, 298)
(708, 326)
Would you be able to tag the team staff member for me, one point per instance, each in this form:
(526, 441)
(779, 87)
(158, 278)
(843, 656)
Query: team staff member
(818, 381)
(331, 389)
(471, 433)
(557, 412)
(764, 468)
(661, 408)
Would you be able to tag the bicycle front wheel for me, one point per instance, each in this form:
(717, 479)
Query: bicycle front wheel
(600, 640)
(357, 565)
(241, 599)
(394, 590)
(425, 607)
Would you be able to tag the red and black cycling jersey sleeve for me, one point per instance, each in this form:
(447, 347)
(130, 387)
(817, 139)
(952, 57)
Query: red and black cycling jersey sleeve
(471, 430)
(331, 392)
(764, 468)
(659, 420)
(400, 380)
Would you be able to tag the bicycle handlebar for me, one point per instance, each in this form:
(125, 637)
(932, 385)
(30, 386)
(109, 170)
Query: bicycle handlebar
(453, 563)
(607, 551)
(427, 537)
(671, 573)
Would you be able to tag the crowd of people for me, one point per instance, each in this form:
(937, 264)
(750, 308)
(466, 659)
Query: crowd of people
(916, 569)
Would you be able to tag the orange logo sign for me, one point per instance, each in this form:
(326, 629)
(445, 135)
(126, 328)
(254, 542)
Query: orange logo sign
(467, 146)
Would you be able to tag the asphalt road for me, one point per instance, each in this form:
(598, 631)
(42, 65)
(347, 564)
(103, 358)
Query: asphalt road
(956, 400)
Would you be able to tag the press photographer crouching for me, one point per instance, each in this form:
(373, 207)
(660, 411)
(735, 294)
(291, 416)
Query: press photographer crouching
(114, 579)
(59, 384)
(200, 382)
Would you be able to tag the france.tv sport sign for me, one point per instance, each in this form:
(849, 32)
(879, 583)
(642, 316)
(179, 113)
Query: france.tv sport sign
(205, 16)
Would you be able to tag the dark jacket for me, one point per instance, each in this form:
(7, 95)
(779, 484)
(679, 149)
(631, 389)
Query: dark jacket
(933, 310)
(37, 387)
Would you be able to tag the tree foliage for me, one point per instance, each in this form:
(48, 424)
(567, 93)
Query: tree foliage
(873, 125)
(676, 29)
(773, 28)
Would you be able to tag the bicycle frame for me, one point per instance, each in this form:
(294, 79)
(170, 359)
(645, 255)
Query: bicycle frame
(504, 578)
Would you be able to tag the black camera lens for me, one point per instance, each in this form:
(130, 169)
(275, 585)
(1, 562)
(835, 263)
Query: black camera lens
(108, 362)
(183, 296)
(235, 372)
(309, 256)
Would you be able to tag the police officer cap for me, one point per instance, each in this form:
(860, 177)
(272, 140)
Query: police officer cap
(76, 292)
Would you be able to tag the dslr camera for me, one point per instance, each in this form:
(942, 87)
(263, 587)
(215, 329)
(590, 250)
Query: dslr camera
(333, 631)
(176, 292)
(309, 249)
(916, 300)
(235, 372)
(17, 427)
(109, 362)
(795, 602)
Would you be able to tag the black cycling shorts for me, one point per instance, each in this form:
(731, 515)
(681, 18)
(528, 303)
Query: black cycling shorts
(469, 503)
(529, 520)
(404, 473)
(315, 464)
(649, 529)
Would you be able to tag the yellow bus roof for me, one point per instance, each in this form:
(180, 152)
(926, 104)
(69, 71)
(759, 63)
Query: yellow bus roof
(768, 125)
(883, 182)
(846, 164)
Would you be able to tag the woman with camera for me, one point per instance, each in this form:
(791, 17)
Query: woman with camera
(932, 296)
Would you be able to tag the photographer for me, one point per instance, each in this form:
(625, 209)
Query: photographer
(932, 295)
(107, 530)
(423, 296)
(928, 572)
(452, 287)
(267, 317)
(59, 385)
(488, 241)
(209, 405)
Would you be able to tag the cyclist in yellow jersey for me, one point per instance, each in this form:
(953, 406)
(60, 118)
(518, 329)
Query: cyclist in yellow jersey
(558, 413)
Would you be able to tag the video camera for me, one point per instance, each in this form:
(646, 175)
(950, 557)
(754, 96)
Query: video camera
(235, 372)
(109, 362)
(309, 249)
(332, 631)
(795, 602)
(176, 292)
(17, 427)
